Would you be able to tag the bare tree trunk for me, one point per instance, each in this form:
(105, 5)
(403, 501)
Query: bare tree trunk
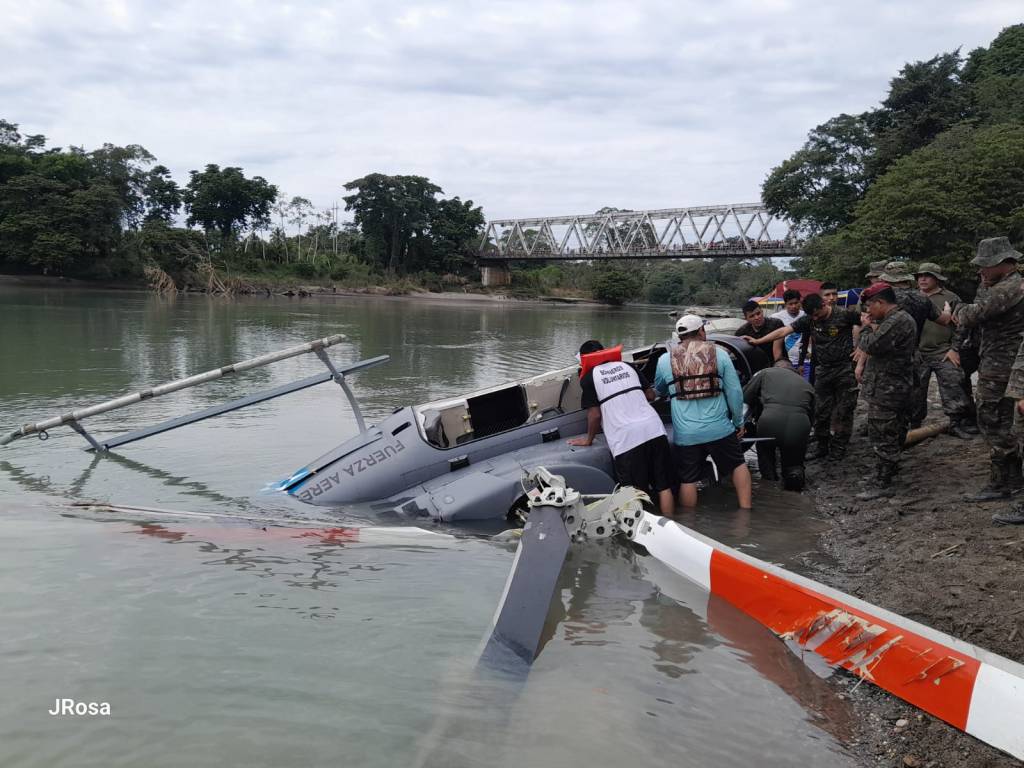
(284, 235)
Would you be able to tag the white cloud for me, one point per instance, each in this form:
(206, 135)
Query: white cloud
(527, 108)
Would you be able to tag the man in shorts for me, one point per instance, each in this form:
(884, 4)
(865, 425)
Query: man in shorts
(617, 399)
(707, 409)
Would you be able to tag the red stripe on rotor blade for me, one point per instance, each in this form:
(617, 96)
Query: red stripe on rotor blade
(926, 673)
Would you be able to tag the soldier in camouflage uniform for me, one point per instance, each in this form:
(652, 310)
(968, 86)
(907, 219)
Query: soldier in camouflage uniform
(940, 354)
(920, 309)
(998, 316)
(1015, 392)
(874, 270)
(889, 337)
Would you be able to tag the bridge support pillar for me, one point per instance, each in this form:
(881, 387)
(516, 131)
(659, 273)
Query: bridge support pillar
(495, 275)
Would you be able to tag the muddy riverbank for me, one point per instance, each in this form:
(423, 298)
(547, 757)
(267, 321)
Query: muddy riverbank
(933, 558)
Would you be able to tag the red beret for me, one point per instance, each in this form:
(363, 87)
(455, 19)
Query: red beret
(871, 291)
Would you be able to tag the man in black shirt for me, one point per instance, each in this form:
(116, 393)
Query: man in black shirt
(834, 333)
(757, 325)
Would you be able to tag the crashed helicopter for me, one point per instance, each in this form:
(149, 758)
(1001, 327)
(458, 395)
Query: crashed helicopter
(458, 459)
(462, 458)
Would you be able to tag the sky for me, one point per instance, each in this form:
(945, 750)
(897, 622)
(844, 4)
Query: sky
(526, 108)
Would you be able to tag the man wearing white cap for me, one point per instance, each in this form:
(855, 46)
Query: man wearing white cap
(707, 409)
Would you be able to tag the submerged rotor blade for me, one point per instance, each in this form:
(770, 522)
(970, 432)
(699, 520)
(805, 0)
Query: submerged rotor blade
(495, 683)
(519, 620)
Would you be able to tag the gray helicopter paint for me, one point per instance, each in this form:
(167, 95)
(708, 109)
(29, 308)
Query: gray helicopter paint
(380, 465)
(393, 466)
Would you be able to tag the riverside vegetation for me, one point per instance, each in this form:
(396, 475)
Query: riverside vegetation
(933, 169)
(923, 177)
(114, 215)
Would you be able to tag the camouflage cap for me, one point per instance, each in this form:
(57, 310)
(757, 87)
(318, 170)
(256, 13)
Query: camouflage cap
(928, 268)
(896, 272)
(875, 269)
(993, 251)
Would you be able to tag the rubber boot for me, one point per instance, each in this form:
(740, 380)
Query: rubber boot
(1012, 516)
(957, 429)
(882, 487)
(996, 489)
(793, 478)
(822, 449)
(837, 450)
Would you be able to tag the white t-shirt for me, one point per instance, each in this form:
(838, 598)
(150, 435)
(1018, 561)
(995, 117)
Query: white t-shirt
(628, 420)
(792, 341)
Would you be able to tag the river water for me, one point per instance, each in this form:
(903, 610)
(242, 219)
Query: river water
(219, 641)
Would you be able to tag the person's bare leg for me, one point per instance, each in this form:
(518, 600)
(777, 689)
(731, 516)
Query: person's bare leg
(667, 502)
(742, 483)
(688, 494)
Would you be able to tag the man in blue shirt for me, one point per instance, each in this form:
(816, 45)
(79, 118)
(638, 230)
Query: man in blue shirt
(707, 409)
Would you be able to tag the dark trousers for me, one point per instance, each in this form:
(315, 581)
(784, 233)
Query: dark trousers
(835, 388)
(790, 429)
(969, 362)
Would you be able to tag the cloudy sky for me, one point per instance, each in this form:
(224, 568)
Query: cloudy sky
(528, 108)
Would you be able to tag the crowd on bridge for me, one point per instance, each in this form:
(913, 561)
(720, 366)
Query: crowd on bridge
(640, 250)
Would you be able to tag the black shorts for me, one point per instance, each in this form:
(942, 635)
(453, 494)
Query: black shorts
(726, 452)
(648, 467)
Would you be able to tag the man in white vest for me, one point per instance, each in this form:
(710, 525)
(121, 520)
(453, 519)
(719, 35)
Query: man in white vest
(617, 398)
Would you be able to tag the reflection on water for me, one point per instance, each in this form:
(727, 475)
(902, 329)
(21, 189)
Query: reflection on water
(640, 667)
(257, 644)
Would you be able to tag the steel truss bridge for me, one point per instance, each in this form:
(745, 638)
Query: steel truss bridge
(739, 231)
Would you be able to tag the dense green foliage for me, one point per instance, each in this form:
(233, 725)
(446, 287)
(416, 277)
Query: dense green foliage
(405, 225)
(106, 214)
(820, 184)
(613, 284)
(223, 200)
(937, 167)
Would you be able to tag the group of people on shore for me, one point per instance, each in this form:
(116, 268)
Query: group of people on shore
(885, 351)
(888, 351)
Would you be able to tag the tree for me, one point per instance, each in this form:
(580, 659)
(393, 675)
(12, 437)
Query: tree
(996, 77)
(225, 201)
(673, 282)
(617, 237)
(162, 195)
(455, 231)
(614, 285)
(925, 99)
(123, 169)
(934, 205)
(299, 210)
(50, 227)
(818, 186)
(390, 211)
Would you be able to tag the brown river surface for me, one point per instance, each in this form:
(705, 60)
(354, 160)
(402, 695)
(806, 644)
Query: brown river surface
(219, 641)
